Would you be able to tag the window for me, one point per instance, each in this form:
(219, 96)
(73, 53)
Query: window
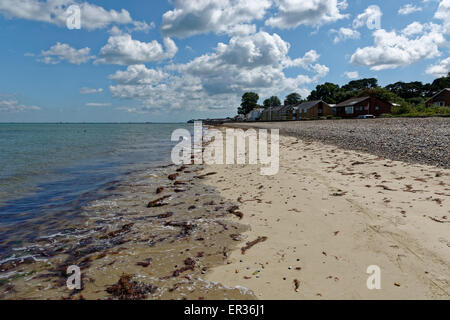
(349, 110)
(377, 108)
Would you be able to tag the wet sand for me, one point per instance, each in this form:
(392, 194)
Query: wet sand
(331, 213)
(155, 237)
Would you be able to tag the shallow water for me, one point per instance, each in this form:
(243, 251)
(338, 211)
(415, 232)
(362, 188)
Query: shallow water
(49, 171)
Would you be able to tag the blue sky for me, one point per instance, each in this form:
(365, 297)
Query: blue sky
(162, 61)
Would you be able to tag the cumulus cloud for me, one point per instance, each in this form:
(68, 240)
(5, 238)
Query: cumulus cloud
(122, 49)
(217, 16)
(391, 50)
(351, 74)
(11, 104)
(344, 34)
(413, 28)
(370, 16)
(292, 13)
(408, 9)
(440, 69)
(86, 90)
(443, 13)
(216, 80)
(54, 12)
(63, 52)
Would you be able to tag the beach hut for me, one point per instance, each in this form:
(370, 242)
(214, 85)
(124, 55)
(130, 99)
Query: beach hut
(287, 113)
(440, 99)
(255, 114)
(355, 107)
(313, 110)
(276, 113)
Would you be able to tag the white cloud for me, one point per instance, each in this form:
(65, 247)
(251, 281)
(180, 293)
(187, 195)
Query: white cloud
(443, 13)
(441, 69)
(292, 13)
(61, 51)
(344, 34)
(408, 9)
(216, 80)
(218, 16)
(351, 74)
(98, 104)
(11, 104)
(413, 28)
(373, 13)
(54, 12)
(86, 90)
(122, 49)
(391, 50)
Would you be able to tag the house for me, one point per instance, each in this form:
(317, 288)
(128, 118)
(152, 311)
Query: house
(266, 115)
(440, 99)
(255, 114)
(276, 113)
(352, 108)
(313, 110)
(287, 113)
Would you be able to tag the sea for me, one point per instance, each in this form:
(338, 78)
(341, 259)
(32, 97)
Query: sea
(49, 171)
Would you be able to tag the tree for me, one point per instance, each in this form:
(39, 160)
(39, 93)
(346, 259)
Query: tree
(328, 92)
(272, 102)
(293, 99)
(356, 85)
(249, 102)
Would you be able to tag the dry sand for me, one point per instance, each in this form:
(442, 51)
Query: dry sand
(331, 213)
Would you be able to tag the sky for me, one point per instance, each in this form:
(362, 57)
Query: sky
(176, 60)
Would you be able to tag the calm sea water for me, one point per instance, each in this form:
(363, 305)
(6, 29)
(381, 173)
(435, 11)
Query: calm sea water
(50, 169)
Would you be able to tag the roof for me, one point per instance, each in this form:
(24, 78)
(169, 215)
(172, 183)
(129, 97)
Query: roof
(446, 89)
(309, 104)
(351, 102)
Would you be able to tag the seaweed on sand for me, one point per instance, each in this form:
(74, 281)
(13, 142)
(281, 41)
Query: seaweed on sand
(127, 289)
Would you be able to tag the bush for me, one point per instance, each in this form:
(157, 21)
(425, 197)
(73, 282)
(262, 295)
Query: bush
(329, 117)
(403, 108)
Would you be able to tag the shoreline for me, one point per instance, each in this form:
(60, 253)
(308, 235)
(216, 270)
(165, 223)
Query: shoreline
(155, 237)
(331, 213)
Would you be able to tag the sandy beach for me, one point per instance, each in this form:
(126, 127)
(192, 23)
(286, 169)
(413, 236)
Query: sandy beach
(328, 215)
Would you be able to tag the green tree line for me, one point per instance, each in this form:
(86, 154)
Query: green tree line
(409, 96)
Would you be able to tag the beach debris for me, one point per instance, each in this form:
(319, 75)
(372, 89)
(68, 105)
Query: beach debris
(145, 263)
(238, 214)
(159, 190)
(158, 202)
(296, 285)
(173, 177)
(385, 187)
(233, 209)
(189, 264)
(125, 228)
(235, 237)
(186, 227)
(179, 183)
(203, 176)
(339, 193)
(192, 207)
(437, 220)
(126, 289)
(163, 215)
(397, 284)
(252, 243)
(182, 168)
